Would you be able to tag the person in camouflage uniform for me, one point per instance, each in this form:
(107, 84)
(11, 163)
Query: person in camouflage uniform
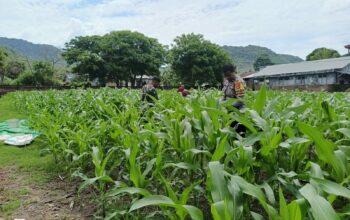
(149, 91)
(234, 88)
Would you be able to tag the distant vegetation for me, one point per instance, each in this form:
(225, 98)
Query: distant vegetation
(104, 58)
(322, 53)
(245, 57)
(122, 56)
(17, 69)
(262, 61)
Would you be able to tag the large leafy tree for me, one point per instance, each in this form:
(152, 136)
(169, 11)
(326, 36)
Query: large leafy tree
(196, 60)
(322, 53)
(129, 54)
(119, 55)
(262, 61)
(84, 54)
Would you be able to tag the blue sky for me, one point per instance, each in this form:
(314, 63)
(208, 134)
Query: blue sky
(286, 26)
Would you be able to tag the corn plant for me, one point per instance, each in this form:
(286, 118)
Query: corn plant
(179, 158)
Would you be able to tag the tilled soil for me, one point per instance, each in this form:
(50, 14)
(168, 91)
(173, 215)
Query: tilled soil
(56, 199)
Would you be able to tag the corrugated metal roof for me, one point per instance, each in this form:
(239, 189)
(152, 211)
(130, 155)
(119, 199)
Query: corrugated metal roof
(304, 67)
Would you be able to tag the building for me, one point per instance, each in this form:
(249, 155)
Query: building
(320, 75)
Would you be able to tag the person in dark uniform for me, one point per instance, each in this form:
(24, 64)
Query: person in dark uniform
(149, 91)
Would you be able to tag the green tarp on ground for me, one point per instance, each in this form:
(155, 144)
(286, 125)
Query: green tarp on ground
(16, 132)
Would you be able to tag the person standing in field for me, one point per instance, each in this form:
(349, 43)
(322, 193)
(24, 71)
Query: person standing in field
(234, 88)
(149, 91)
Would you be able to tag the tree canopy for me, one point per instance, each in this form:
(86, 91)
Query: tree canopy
(262, 61)
(196, 60)
(84, 54)
(322, 53)
(14, 68)
(119, 55)
(42, 74)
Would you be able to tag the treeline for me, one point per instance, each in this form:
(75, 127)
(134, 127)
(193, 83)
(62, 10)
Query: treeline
(18, 70)
(126, 56)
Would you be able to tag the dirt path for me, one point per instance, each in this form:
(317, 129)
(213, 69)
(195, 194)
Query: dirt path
(56, 199)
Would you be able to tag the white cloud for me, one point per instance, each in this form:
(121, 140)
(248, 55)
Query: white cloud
(286, 26)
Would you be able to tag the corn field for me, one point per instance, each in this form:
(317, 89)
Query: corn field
(180, 159)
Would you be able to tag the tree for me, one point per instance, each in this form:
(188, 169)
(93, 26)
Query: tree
(119, 55)
(84, 54)
(196, 60)
(14, 68)
(42, 75)
(3, 59)
(168, 77)
(322, 53)
(262, 61)
(129, 54)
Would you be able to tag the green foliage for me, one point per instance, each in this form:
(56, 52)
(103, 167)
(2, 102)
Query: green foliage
(128, 54)
(83, 52)
(119, 55)
(245, 57)
(322, 53)
(14, 68)
(262, 61)
(3, 56)
(196, 60)
(179, 158)
(168, 76)
(41, 75)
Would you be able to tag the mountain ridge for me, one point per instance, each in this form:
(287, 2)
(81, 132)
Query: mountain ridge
(31, 50)
(245, 56)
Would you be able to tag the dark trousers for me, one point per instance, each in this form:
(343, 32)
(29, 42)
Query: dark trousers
(240, 129)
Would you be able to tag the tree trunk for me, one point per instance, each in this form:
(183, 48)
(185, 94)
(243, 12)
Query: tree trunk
(133, 83)
(2, 76)
(140, 82)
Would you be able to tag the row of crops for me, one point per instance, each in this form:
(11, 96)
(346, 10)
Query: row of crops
(179, 158)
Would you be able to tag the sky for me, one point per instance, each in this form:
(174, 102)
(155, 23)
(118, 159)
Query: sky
(293, 27)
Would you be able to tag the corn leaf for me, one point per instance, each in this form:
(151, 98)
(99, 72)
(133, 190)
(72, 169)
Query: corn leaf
(320, 208)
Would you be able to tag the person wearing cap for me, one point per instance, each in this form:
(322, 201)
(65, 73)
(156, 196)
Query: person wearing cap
(149, 92)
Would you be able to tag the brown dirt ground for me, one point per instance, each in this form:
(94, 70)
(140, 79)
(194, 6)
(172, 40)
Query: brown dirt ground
(56, 199)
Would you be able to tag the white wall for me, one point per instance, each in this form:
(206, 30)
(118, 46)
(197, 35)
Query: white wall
(312, 79)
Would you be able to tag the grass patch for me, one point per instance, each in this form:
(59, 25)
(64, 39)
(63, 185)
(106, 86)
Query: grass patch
(13, 201)
(8, 109)
(10, 206)
(28, 161)
(28, 158)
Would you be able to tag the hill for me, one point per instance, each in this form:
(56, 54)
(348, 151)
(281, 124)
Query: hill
(244, 57)
(30, 50)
